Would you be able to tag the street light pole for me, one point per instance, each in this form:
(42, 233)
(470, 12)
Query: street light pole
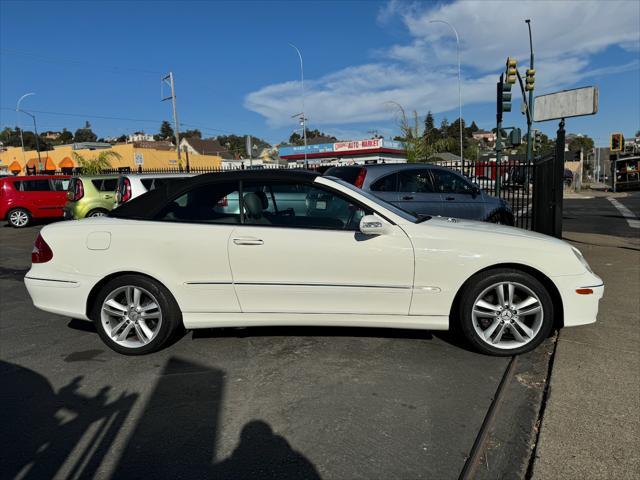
(459, 85)
(304, 118)
(35, 128)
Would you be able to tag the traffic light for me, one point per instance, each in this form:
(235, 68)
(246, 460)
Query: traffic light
(515, 137)
(537, 139)
(511, 70)
(531, 79)
(616, 143)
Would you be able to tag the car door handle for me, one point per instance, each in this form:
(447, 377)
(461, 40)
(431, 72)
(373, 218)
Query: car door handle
(108, 196)
(248, 241)
(450, 198)
(408, 197)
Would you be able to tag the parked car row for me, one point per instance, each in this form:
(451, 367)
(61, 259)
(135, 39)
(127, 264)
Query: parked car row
(24, 199)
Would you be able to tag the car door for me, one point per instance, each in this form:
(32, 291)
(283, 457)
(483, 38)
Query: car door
(38, 195)
(58, 195)
(386, 188)
(461, 199)
(417, 194)
(316, 261)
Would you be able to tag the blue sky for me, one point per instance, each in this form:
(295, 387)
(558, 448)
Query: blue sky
(236, 73)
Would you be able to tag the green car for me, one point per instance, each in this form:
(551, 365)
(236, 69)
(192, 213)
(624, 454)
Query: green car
(90, 196)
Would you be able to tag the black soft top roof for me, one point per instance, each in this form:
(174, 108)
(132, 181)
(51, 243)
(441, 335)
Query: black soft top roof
(145, 207)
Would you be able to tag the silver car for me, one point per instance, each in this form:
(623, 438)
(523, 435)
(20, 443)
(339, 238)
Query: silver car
(426, 189)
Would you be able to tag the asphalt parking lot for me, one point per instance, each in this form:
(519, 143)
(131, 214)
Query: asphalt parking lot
(253, 403)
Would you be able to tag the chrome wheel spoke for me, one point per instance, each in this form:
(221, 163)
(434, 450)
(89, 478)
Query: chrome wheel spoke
(149, 306)
(530, 311)
(487, 305)
(132, 316)
(492, 328)
(136, 296)
(500, 294)
(482, 314)
(510, 288)
(527, 331)
(498, 336)
(516, 334)
(125, 332)
(526, 303)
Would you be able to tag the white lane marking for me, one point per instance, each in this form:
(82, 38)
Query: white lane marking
(632, 220)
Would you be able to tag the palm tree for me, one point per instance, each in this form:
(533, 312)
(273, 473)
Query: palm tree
(95, 165)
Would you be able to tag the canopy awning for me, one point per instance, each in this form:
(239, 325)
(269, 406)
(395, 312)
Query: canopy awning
(66, 163)
(15, 166)
(49, 165)
(32, 163)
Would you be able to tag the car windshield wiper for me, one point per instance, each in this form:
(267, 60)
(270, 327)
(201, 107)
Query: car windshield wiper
(423, 218)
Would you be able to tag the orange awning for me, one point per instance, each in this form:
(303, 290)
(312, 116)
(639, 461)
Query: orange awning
(66, 163)
(48, 164)
(15, 166)
(32, 163)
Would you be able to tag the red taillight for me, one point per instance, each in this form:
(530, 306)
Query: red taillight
(76, 190)
(223, 202)
(41, 252)
(360, 178)
(126, 194)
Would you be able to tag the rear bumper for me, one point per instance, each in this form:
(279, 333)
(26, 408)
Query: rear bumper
(580, 309)
(62, 297)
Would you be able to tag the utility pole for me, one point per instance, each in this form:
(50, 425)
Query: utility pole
(530, 105)
(499, 110)
(168, 79)
(304, 120)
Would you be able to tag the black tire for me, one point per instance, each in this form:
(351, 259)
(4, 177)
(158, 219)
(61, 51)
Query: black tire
(16, 217)
(97, 212)
(502, 218)
(484, 280)
(171, 314)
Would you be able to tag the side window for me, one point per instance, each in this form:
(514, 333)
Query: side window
(299, 205)
(105, 184)
(147, 182)
(415, 181)
(213, 203)
(386, 184)
(450, 182)
(35, 186)
(60, 184)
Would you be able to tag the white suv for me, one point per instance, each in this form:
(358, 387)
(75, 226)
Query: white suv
(132, 185)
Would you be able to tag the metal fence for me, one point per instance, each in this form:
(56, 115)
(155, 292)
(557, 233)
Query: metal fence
(511, 181)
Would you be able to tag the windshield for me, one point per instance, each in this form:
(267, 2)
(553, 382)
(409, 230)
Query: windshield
(392, 208)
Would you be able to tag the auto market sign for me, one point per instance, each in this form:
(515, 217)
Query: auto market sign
(358, 145)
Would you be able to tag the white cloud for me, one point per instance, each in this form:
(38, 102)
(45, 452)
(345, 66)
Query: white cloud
(422, 73)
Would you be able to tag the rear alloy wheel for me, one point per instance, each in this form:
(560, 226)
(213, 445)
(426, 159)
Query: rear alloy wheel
(501, 218)
(19, 217)
(506, 312)
(135, 315)
(98, 212)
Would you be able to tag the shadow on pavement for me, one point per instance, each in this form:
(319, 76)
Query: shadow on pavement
(42, 428)
(68, 434)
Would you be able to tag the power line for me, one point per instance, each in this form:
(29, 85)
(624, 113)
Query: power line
(127, 119)
(76, 63)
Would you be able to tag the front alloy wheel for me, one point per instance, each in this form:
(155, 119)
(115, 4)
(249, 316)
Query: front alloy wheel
(505, 312)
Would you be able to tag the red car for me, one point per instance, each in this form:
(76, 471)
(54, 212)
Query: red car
(36, 196)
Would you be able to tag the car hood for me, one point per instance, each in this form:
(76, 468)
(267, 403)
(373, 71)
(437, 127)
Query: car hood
(489, 228)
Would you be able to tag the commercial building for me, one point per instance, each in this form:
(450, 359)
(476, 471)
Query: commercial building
(132, 155)
(376, 150)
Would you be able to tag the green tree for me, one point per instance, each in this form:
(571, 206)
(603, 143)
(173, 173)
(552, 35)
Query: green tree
(431, 133)
(166, 132)
(191, 134)
(95, 165)
(65, 136)
(84, 135)
(581, 143)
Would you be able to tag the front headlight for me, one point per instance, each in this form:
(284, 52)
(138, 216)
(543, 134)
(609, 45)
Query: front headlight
(579, 256)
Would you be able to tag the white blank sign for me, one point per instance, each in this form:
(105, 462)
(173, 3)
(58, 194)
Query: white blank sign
(565, 104)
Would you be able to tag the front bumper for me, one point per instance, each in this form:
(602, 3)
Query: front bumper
(580, 308)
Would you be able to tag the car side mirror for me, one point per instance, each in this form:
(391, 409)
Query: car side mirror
(475, 190)
(373, 225)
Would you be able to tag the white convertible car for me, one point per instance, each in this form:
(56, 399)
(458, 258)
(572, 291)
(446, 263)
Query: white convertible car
(251, 248)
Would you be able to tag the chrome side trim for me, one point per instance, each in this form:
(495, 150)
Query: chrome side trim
(51, 280)
(294, 284)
